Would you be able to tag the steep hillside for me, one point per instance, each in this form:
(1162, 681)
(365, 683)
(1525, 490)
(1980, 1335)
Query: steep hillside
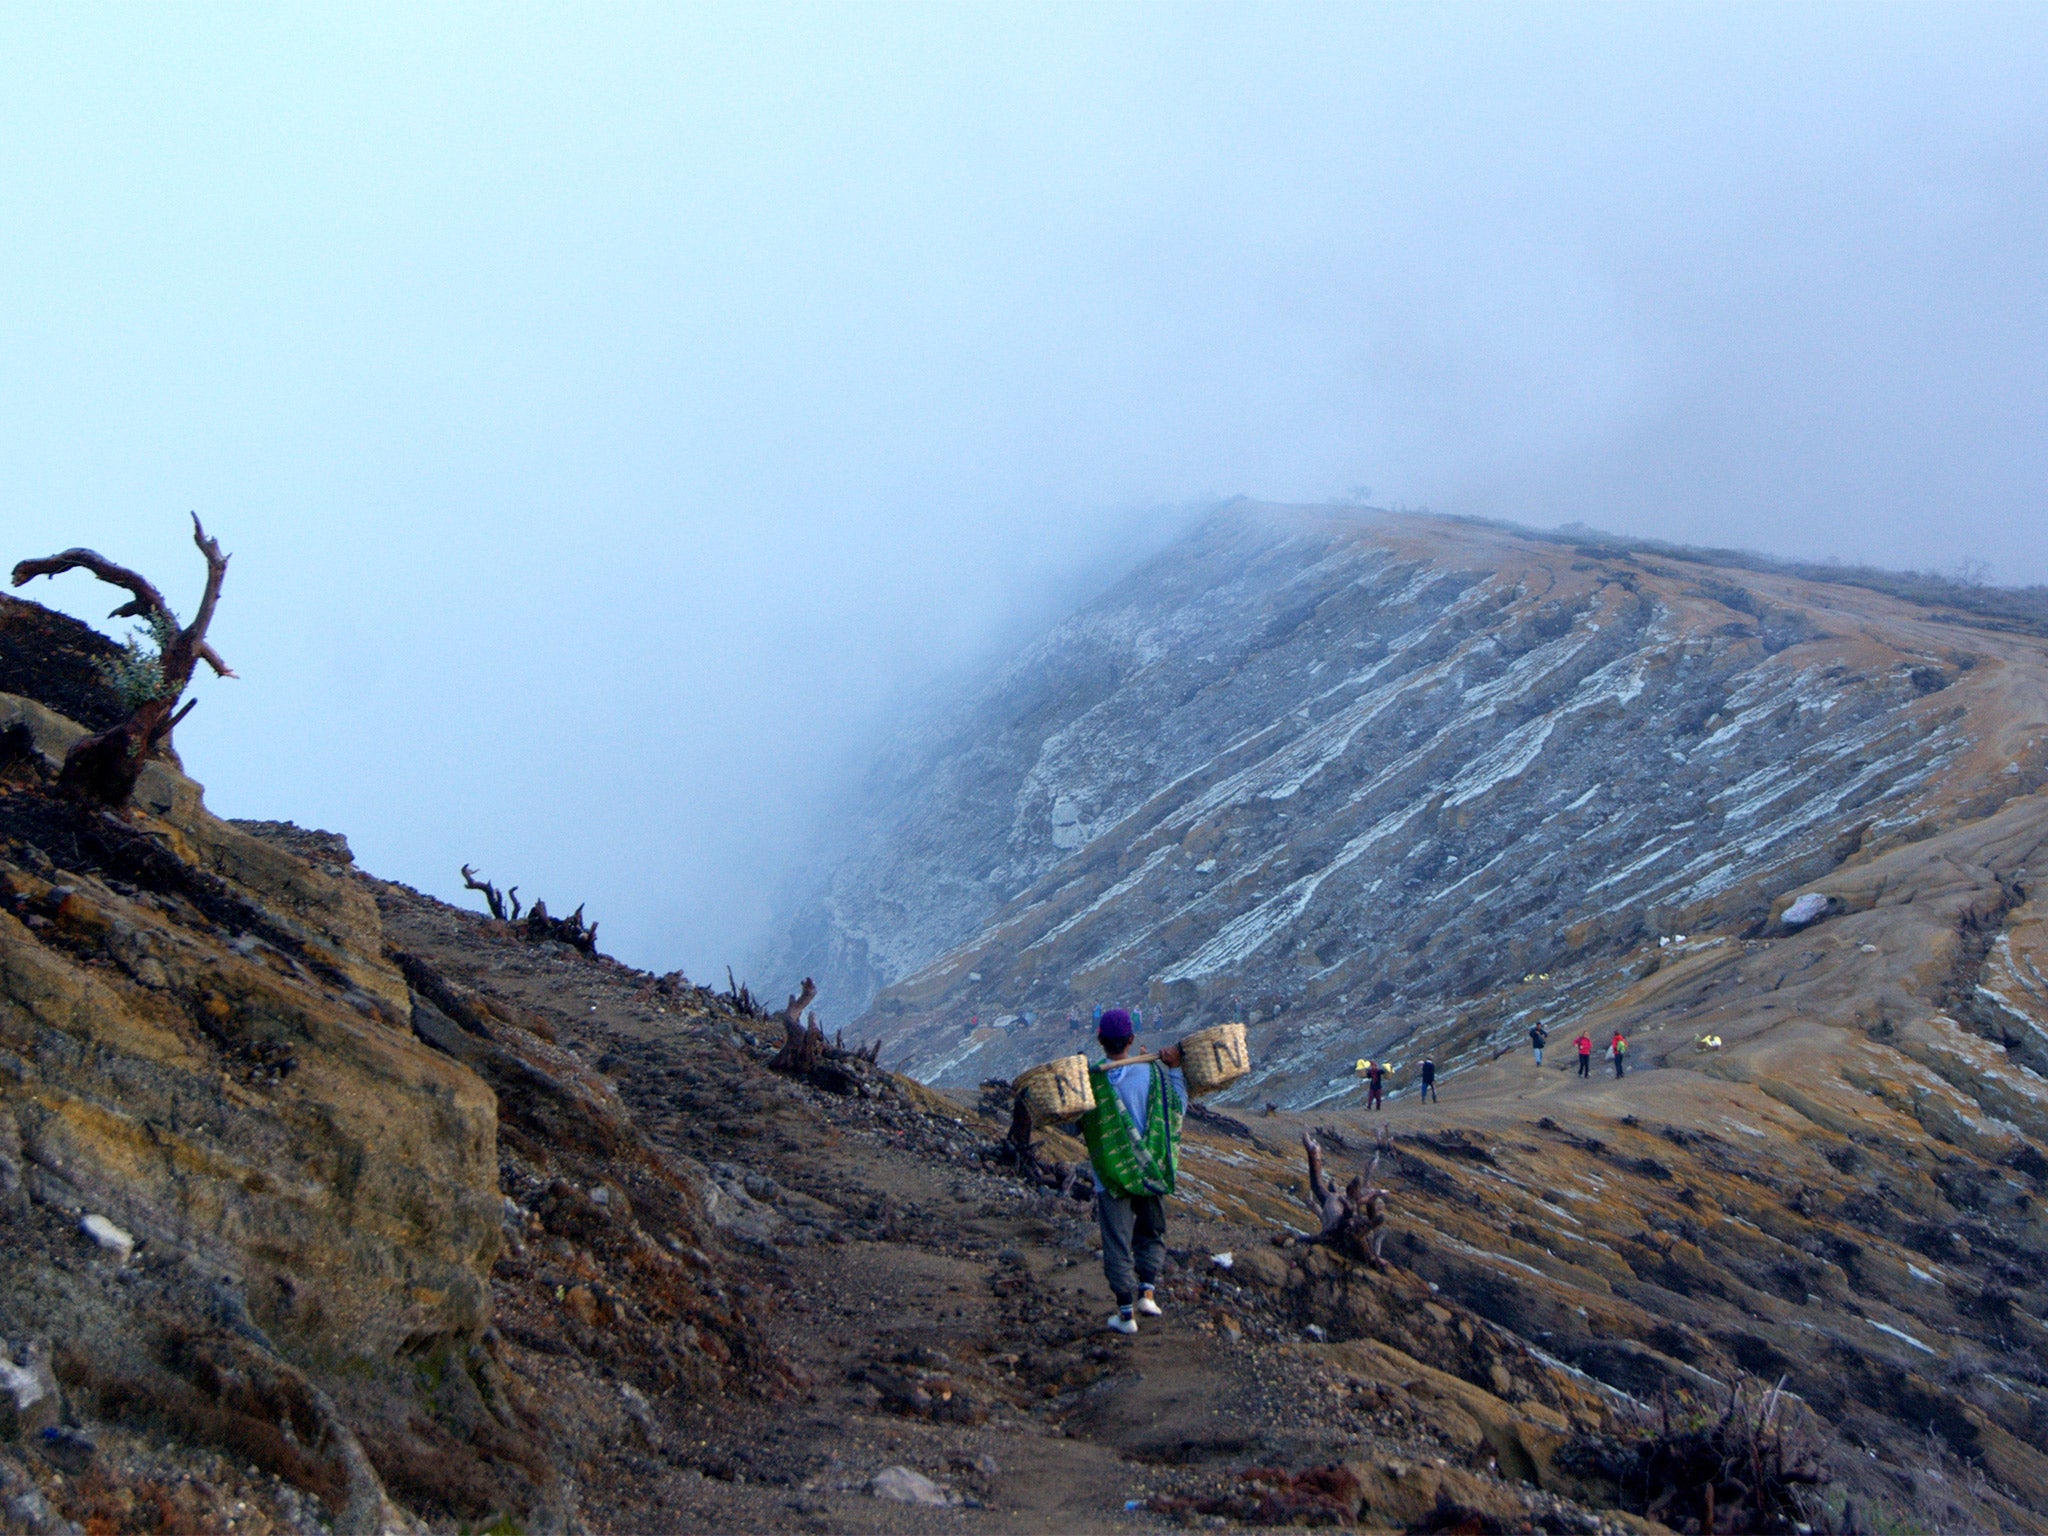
(259, 1163)
(425, 1224)
(329, 1207)
(1349, 776)
(1402, 787)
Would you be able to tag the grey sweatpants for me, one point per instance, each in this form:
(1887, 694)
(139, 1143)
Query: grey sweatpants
(1133, 1242)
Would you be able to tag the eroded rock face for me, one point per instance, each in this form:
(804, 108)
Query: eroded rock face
(1336, 773)
(204, 1041)
(281, 1176)
(1412, 787)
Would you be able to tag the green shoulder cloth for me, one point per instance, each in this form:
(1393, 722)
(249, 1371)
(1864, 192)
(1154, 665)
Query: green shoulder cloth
(1131, 1162)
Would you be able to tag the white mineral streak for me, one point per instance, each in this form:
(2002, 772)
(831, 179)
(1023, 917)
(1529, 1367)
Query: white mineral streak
(1509, 760)
(1299, 762)
(23, 1386)
(1129, 882)
(1252, 931)
(1901, 1334)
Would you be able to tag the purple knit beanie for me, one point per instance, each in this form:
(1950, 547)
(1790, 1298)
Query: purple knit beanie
(1115, 1027)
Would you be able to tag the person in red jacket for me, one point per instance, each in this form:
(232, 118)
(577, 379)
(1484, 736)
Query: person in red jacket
(1617, 1052)
(1585, 1045)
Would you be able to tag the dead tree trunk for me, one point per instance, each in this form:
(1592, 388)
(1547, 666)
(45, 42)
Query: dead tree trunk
(1354, 1217)
(803, 1045)
(1062, 1178)
(793, 1010)
(106, 765)
(739, 997)
(537, 925)
(504, 904)
(571, 930)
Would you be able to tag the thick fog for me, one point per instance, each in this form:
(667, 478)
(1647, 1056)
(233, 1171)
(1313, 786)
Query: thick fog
(615, 414)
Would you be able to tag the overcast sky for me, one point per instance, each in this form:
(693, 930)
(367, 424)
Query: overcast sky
(613, 413)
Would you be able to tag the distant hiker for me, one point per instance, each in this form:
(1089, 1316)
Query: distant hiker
(1538, 1037)
(1375, 1083)
(1429, 1080)
(1585, 1045)
(1617, 1052)
(1133, 1136)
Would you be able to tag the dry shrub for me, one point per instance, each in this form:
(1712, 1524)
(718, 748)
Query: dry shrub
(1450, 1518)
(1745, 1470)
(207, 1391)
(102, 1507)
(1275, 1496)
(431, 1471)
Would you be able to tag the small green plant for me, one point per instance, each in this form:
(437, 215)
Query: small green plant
(136, 671)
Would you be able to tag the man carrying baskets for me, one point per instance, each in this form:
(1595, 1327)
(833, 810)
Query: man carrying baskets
(1133, 1136)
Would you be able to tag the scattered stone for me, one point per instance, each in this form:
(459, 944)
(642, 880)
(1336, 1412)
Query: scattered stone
(29, 1402)
(113, 1239)
(638, 1409)
(1262, 1266)
(31, 1511)
(67, 1449)
(908, 1487)
(1807, 910)
(582, 1305)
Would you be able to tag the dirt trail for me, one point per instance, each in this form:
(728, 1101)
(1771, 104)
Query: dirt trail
(940, 1315)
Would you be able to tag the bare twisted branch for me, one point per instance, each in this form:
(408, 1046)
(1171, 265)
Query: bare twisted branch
(147, 599)
(106, 765)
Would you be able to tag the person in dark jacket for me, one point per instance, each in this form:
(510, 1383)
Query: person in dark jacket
(1375, 1083)
(1538, 1038)
(1429, 1080)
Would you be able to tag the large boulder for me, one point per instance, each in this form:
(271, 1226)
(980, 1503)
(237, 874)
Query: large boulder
(1806, 910)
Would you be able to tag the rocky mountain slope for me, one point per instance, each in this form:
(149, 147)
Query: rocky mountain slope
(259, 1160)
(1402, 787)
(1347, 775)
(329, 1207)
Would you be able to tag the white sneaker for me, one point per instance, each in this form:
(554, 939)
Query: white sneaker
(1123, 1323)
(1147, 1305)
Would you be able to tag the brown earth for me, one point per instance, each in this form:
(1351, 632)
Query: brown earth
(425, 1224)
(1440, 758)
(937, 1313)
(441, 1227)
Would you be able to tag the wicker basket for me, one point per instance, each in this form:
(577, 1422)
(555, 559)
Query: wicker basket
(1058, 1091)
(1214, 1058)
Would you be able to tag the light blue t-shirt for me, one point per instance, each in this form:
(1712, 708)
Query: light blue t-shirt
(1133, 1085)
